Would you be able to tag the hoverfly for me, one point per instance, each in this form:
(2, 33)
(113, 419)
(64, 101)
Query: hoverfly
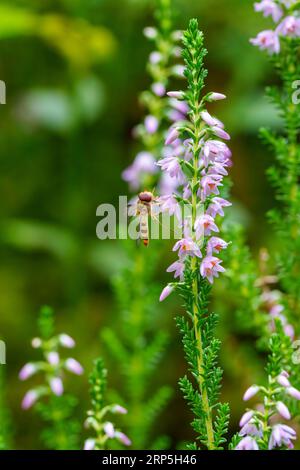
(143, 208)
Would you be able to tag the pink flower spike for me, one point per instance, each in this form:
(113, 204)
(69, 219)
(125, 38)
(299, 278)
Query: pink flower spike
(56, 386)
(119, 409)
(27, 371)
(123, 438)
(74, 366)
(66, 341)
(293, 392)
(250, 392)
(166, 292)
(246, 418)
(178, 95)
(109, 430)
(172, 136)
(29, 399)
(283, 410)
(89, 444)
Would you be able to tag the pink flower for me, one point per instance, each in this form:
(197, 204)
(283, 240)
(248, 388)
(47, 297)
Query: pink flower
(169, 204)
(204, 225)
(119, 409)
(283, 410)
(177, 268)
(151, 124)
(187, 247)
(74, 366)
(216, 206)
(220, 133)
(210, 184)
(293, 392)
(172, 136)
(216, 97)
(210, 268)
(109, 429)
(267, 40)
(166, 292)
(27, 371)
(246, 418)
(171, 165)
(247, 443)
(89, 444)
(178, 95)
(66, 341)
(144, 163)
(56, 386)
(269, 8)
(123, 438)
(36, 343)
(283, 381)
(29, 399)
(251, 428)
(250, 392)
(155, 57)
(290, 26)
(208, 119)
(53, 358)
(158, 89)
(215, 245)
(282, 435)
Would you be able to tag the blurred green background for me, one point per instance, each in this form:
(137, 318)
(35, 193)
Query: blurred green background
(73, 71)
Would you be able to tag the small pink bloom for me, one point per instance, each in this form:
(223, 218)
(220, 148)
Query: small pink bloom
(210, 268)
(247, 443)
(267, 40)
(36, 343)
(53, 358)
(290, 26)
(293, 392)
(66, 341)
(155, 57)
(89, 444)
(27, 371)
(177, 268)
(74, 366)
(250, 392)
(172, 136)
(216, 97)
(151, 124)
(281, 436)
(269, 8)
(178, 95)
(283, 381)
(208, 119)
(246, 418)
(119, 409)
(210, 185)
(29, 399)
(166, 292)
(283, 410)
(109, 430)
(204, 225)
(220, 133)
(56, 386)
(159, 89)
(216, 206)
(187, 247)
(215, 245)
(123, 438)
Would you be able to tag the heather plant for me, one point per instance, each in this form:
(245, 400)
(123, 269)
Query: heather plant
(138, 347)
(262, 427)
(200, 166)
(97, 420)
(61, 429)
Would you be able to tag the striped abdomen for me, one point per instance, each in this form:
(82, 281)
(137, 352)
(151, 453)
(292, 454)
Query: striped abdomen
(144, 228)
